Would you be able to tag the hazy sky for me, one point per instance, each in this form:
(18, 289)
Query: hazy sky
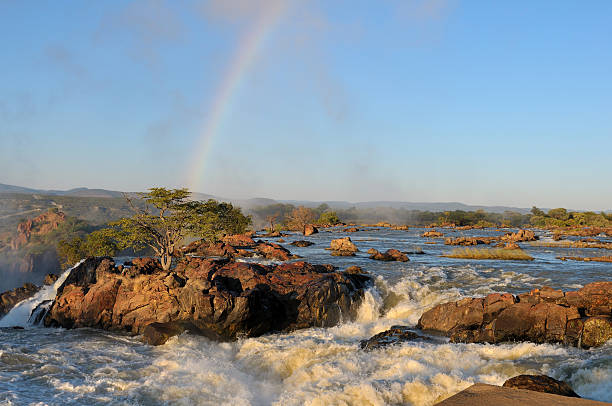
(483, 102)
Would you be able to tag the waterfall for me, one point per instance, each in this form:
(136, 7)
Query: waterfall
(22, 314)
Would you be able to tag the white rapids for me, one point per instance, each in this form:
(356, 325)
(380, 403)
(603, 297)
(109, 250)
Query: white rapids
(19, 316)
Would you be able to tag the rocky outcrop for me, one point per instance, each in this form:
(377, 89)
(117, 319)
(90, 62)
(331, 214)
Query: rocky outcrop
(432, 234)
(239, 246)
(541, 383)
(309, 229)
(302, 243)
(466, 241)
(389, 255)
(217, 298)
(351, 230)
(580, 318)
(486, 395)
(343, 247)
(40, 225)
(395, 335)
(10, 298)
(520, 236)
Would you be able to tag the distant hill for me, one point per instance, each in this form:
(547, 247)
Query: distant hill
(260, 201)
(80, 192)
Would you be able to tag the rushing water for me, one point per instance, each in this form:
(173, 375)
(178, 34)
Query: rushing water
(316, 366)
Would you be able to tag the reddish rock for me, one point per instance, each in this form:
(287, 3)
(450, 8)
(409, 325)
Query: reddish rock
(519, 236)
(343, 244)
(389, 255)
(217, 298)
(542, 315)
(467, 241)
(541, 383)
(351, 230)
(309, 229)
(40, 225)
(239, 240)
(273, 251)
(432, 234)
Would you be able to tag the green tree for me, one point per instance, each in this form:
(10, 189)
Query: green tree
(168, 216)
(328, 218)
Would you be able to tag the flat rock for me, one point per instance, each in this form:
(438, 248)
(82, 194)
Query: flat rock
(481, 394)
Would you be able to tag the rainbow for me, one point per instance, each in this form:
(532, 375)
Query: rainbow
(244, 56)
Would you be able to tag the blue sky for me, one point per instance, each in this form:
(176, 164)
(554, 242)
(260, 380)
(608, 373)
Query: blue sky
(429, 100)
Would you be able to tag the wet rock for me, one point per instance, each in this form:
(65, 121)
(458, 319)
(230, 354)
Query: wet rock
(269, 250)
(541, 383)
(432, 234)
(209, 249)
(302, 243)
(239, 240)
(395, 335)
(206, 296)
(343, 244)
(389, 255)
(355, 270)
(351, 230)
(467, 241)
(50, 279)
(542, 315)
(10, 298)
(309, 229)
(520, 236)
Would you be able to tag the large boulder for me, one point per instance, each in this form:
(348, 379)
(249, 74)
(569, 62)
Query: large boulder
(541, 383)
(220, 299)
(580, 318)
(389, 255)
(343, 244)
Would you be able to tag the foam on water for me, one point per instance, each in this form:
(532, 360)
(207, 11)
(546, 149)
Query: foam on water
(316, 366)
(20, 314)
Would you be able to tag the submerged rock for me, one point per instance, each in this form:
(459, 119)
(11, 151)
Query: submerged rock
(580, 318)
(302, 243)
(389, 255)
(221, 299)
(541, 383)
(395, 335)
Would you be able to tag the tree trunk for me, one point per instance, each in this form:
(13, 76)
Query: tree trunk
(166, 261)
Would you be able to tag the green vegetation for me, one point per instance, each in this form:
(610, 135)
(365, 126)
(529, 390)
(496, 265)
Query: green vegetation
(490, 253)
(97, 243)
(328, 218)
(562, 218)
(168, 217)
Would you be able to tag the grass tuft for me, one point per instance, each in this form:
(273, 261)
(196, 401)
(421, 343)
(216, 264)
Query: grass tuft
(490, 253)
